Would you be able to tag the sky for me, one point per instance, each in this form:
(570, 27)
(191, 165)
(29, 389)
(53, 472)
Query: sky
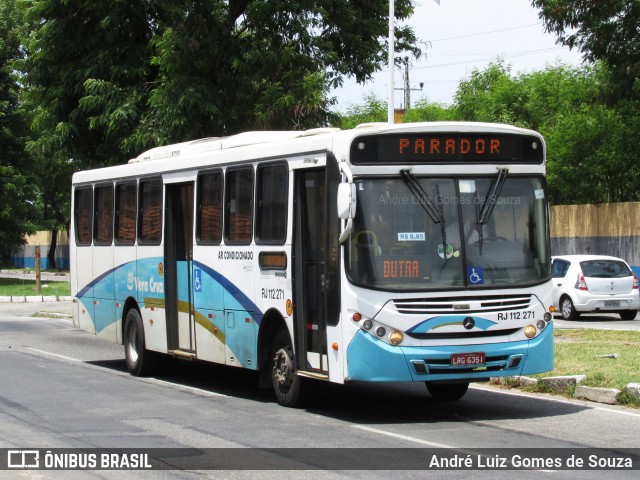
(463, 35)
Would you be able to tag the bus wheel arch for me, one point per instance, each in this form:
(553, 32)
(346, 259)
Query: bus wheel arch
(272, 322)
(140, 361)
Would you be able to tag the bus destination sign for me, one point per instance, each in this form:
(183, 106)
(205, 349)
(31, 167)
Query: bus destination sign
(443, 148)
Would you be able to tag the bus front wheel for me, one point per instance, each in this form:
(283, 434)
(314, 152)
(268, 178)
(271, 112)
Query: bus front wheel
(287, 385)
(447, 391)
(140, 361)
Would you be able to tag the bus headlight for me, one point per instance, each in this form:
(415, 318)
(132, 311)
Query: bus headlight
(547, 316)
(541, 324)
(530, 331)
(396, 337)
(367, 324)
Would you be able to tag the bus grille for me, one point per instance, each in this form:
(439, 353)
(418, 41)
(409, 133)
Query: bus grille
(462, 305)
(465, 334)
(492, 364)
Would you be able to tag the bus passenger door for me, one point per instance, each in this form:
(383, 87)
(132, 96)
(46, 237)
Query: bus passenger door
(178, 253)
(309, 271)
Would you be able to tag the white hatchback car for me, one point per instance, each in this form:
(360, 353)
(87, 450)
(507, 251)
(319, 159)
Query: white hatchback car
(594, 284)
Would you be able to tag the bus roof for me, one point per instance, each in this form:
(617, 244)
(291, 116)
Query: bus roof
(221, 143)
(273, 144)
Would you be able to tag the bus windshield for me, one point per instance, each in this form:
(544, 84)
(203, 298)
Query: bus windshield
(424, 233)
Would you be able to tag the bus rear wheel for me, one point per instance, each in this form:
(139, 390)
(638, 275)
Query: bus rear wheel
(288, 386)
(140, 361)
(447, 391)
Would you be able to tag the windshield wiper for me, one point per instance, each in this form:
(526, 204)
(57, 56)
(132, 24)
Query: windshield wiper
(484, 215)
(436, 213)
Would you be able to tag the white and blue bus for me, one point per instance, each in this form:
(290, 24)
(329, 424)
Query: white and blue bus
(387, 253)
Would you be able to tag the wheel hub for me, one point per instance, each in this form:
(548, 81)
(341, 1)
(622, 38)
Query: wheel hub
(283, 367)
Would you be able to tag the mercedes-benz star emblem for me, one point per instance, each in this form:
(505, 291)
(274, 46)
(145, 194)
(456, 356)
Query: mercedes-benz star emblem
(468, 323)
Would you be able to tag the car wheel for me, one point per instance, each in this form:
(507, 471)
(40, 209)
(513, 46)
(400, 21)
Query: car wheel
(628, 314)
(567, 309)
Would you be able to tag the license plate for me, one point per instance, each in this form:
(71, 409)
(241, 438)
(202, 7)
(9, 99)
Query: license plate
(612, 303)
(465, 359)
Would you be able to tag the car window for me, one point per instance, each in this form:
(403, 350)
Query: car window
(559, 268)
(605, 269)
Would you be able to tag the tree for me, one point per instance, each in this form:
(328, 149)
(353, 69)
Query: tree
(372, 110)
(17, 212)
(590, 153)
(603, 30)
(109, 79)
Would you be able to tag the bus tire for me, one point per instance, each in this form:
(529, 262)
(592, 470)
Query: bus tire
(287, 385)
(140, 361)
(447, 391)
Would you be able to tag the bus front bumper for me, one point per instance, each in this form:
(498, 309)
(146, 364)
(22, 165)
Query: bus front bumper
(369, 359)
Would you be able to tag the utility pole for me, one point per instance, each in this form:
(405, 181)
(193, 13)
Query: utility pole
(407, 88)
(392, 41)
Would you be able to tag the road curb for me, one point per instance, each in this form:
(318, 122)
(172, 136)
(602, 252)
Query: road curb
(35, 298)
(572, 385)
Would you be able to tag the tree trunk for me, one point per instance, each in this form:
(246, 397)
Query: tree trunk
(51, 254)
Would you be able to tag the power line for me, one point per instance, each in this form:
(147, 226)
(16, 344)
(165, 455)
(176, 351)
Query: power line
(486, 59)
(486, 33)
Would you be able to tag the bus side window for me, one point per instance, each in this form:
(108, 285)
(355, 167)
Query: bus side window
(271, 216)
(150, 232)
(209, 221)
(126, 208)
(103, 215)
(239, 206)
(83, 206)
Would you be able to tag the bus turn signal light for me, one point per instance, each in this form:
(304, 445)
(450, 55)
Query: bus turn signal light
(396, 337)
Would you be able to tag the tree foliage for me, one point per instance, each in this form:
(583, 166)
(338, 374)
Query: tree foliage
(603, 30)
(109, 79)
(17, 213)
(591, 148)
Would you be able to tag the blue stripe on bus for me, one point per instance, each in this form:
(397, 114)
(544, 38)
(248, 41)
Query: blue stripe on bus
(95, 281)
(443, 321)
(240, 300)
(243, 300)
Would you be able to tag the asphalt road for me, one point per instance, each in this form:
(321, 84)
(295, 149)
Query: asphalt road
(61, 387)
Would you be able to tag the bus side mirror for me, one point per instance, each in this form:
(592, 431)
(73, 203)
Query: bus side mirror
(346, 201)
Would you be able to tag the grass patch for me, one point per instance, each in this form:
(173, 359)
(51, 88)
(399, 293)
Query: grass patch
(609, 358)
(13, 287)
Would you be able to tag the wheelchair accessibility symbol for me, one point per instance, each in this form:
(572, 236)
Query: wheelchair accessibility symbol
(475, 275)
(197, 280)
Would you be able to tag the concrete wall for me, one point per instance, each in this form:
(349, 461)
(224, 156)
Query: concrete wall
(602, 229)
(26, 258)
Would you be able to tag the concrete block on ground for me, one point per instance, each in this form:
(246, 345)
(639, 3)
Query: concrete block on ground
(597, 394)
(562, 383)
(633, 390)
(18, 299)
(33, 299)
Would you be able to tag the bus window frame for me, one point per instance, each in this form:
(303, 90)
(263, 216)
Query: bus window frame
(227, 205)
(258, 187)
(76, 216)
(116, 217)
(139, 221)
(199, 190)
(96, 206)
